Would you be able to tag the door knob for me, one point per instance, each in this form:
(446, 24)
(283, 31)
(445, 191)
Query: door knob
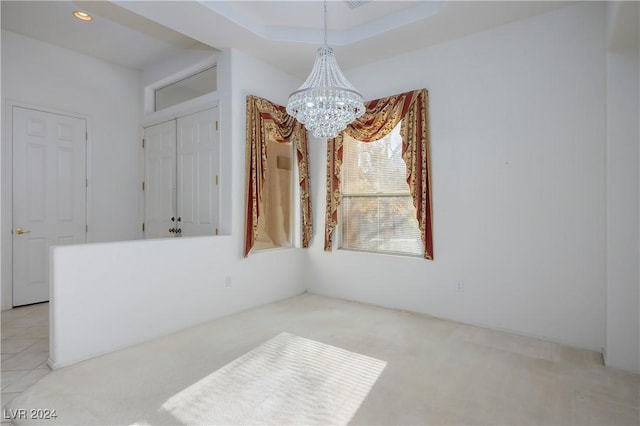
(21, 231)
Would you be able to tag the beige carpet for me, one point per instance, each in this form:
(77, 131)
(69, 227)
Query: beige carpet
(437, 372)
(287, 380)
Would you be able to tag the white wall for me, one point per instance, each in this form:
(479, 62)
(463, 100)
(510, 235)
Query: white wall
(623, 189)
(518, 155)
(50, 77)
(112, 295)
(108, 296)
(525, 196)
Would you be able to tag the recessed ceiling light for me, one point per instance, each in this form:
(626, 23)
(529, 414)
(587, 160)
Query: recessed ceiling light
(83, 16)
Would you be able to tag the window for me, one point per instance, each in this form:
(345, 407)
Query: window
(186, 89)
(377, 211)
(272, 137)
(373, 174)
(274, 224)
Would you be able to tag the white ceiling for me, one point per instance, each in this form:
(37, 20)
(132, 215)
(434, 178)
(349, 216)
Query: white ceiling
(285, 33)
(115, 34)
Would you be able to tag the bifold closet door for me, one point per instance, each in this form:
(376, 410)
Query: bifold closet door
(160, 180)
(198, 169)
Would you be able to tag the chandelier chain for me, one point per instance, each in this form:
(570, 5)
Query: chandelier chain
(325, 23)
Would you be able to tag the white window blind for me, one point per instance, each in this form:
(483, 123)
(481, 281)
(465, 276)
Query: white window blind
(377, 212)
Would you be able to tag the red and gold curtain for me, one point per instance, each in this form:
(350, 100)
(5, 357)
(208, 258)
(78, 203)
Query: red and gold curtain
(380, 117)
(268, 121)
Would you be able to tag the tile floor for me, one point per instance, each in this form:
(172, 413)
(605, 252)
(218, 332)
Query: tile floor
(25, 349)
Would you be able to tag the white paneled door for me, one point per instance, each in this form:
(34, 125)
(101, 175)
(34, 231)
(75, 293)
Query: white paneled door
(182, 165)
(198, 164)
(49, 195)
(160, 180)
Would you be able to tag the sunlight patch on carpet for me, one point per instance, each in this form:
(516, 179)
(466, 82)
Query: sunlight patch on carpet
(287, 380)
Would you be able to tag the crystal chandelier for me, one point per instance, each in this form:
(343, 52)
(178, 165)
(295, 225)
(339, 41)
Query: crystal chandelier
(326, 102)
